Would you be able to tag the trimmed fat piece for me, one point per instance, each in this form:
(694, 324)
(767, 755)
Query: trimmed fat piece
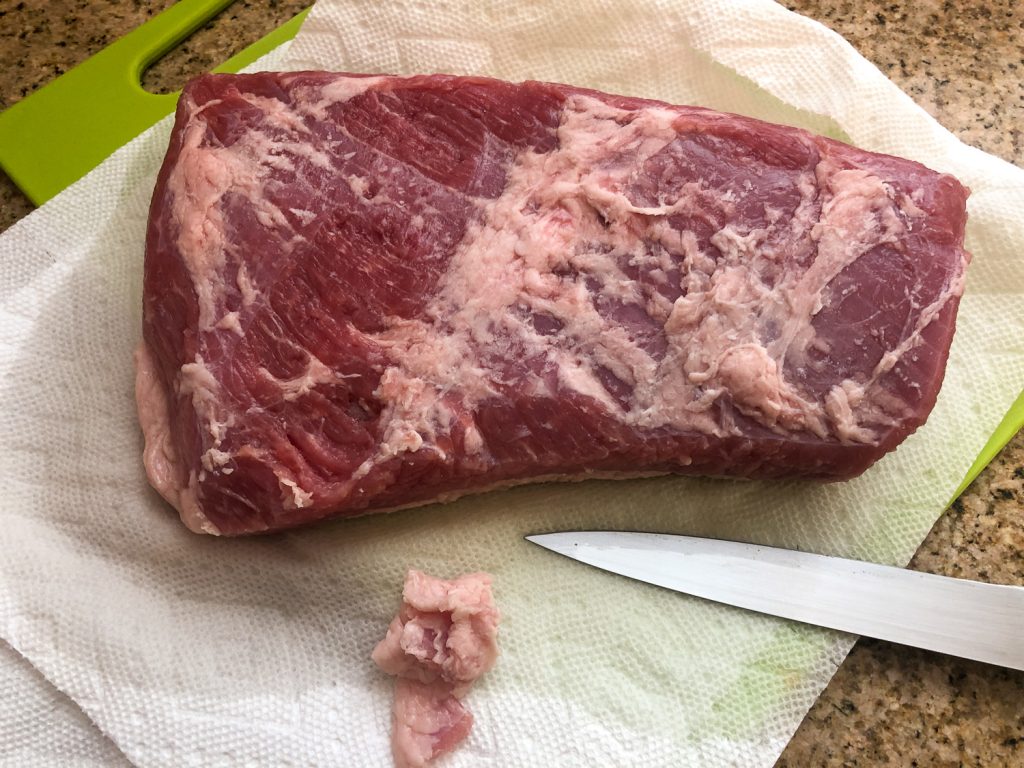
(427, 722)
(365, 293)
(443, 638)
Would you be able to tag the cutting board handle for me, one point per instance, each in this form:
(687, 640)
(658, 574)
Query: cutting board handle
(65, 129)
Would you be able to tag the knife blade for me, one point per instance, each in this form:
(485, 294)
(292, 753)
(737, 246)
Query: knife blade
(964, 618)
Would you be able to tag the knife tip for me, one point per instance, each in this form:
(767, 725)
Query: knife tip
(558, 541)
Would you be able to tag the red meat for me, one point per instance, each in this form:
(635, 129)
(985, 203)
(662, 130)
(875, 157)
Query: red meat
(364, 293)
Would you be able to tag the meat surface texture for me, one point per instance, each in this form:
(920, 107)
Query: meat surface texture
(443, 638)
(364, 293)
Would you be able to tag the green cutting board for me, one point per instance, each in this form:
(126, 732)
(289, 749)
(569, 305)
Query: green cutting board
(55, 136)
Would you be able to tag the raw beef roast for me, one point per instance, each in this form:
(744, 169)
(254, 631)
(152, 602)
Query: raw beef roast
(364, 293)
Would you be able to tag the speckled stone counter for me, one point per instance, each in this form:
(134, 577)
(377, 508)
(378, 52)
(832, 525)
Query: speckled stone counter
(964, 63)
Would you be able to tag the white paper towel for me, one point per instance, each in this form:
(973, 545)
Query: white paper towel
(186, 650)
(41, 726)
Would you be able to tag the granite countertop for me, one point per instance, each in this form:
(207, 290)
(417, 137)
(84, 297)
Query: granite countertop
(964, 63)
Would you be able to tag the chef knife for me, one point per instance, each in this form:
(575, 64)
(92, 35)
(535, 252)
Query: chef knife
(955, 616)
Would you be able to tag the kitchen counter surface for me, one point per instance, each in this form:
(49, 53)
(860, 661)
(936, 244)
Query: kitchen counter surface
(964, 63)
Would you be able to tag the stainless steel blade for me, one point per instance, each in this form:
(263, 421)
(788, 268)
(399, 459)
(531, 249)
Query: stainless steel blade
(964, 618)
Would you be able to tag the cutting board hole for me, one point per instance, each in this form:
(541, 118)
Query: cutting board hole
(236, 27)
